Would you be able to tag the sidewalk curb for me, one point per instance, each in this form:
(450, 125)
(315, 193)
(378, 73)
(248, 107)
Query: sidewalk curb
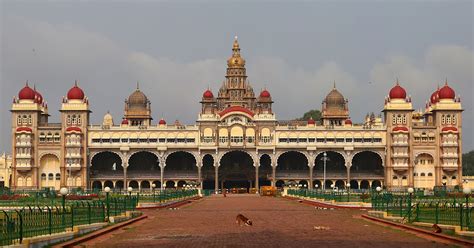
(99, 232)
(174, 204)
(321, 204)
(452, 239)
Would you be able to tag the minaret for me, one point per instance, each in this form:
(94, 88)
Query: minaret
(236, 91)
(74, 122)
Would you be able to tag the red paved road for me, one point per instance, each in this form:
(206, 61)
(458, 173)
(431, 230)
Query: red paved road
(277, 223)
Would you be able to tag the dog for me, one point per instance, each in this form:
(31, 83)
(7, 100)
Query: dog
(437, 229)
(242, 220)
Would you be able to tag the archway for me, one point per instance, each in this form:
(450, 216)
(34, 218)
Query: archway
(318, 183)
(335, 166)
(236, 170)
(376, 183)
(208, 172)
(354, 184)
(280, 183)
(328, 184)
(109, 184)
(157, 184)
(133, 184)
(106, 165)
(303, 184)
(169, 184)
(96, 185)
(265, 170)
(181, 183)
(367, 164)
(364, 184)
(145, 185)
(180, 165)
(424, 171)
(143, 164)
(340, 184)
(49, 165)
(119, 184)
(292, 165)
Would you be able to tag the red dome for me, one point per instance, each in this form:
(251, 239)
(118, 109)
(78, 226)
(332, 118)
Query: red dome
(208, 94)
(397, 92)
(75, 93)
(311, 121)
(265, 93)
(449, 129)
(24, 129)
(348, 122)
(39, 97)
(434, 97)
(73, 129)
(124, 122)
(446, 92)
(162, 122)
(27, 93)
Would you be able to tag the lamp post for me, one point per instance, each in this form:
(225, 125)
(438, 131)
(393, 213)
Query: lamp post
(107, 191)
(348, 185)
(410, 194)
(378, 189)
(153, 186)
(325, 159)
(63, 192)
(130, 189)
(467, 191)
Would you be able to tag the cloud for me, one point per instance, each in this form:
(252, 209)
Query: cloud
(108, 71)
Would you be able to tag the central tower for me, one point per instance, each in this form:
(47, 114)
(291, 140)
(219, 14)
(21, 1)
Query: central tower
(236, 90)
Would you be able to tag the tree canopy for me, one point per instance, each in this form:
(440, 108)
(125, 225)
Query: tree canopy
(468, 164)
(316, 114)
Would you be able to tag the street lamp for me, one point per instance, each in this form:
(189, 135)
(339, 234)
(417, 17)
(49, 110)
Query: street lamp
(325, 159)
(107, 191)
(153, 186)
(410, 194)
(63, 191)
(467, 191)
(348, 185)
(378, 189)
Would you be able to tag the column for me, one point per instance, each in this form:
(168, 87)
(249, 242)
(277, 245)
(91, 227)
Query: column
(200, 177)
(216, 178)
(125, 184)
(162, 170)
(348, 166)
(256, 177)
(311, 170)
(273, 176)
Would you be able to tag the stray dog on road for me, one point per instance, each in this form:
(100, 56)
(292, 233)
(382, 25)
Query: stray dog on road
(437, 229)
(240, 219)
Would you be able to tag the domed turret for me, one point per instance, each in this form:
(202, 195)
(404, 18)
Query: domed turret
(335, 108)
(75, 93)
(137, 100)
(446, 92)
(435, 96)
(265, 94)
(108, 120)
(137, 108)
(207, 94)
(397, 92)
(236, 60)
(26, 93)
(162, 122)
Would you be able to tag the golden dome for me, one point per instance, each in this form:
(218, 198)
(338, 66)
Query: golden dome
(335, 99)
(236, 60)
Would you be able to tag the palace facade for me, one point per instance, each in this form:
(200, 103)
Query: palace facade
(237, 142)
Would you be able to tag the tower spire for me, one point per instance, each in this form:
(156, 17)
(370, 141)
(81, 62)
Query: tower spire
(334, 84)
(398, 82)
(138, 85)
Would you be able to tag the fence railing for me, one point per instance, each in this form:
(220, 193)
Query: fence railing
(339, 196)
(35, 220)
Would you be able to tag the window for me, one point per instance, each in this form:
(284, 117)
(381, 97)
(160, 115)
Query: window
(58, 176)
(404, 177)
(422, 174)
(349, 140)
(395, 177)
(430, 174)
(50, 176)
(43, 176)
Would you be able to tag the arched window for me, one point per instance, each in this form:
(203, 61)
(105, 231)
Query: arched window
(50, 176)
(453, 177)
(430, 174)
(58, 176)
(422, 174)
(404, 177)
(43, 176)
(395, 177)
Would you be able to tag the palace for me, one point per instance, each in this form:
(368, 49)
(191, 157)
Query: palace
(237, 142)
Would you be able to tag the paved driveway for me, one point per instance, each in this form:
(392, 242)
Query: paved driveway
(210, 222)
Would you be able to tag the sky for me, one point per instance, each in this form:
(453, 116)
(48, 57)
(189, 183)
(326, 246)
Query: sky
(177, 49)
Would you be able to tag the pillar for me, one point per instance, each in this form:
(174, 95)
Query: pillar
(125, 183)
(273, 176)
(216, 178)
(348, 167)
(311, 169)
(200, 177)
(162, 171)
(256, 177)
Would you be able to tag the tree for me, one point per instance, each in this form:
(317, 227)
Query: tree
(468, 164)
(316, 114)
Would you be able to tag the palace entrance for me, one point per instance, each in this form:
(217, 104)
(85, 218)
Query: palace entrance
(236, 170)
